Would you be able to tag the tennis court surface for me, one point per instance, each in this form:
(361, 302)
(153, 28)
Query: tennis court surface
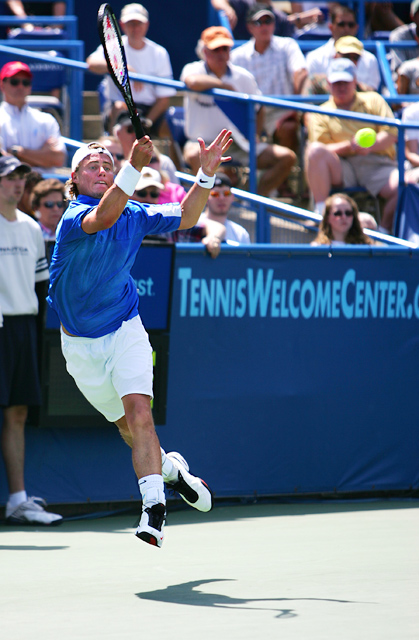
(338, 570)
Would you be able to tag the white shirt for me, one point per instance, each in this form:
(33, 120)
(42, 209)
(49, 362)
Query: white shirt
(273, 69)
(203, 117)
(151, 60)
(367, 69)
(22, 263)
(27, 127)
(411, 114)
(234, 231)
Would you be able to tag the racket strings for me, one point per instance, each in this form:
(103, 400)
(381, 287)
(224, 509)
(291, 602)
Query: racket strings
(114, 51)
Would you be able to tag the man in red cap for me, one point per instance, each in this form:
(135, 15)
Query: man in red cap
(26, 133)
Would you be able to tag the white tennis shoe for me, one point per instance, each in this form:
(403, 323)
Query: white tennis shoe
(151, 525)
(32, 512)
(191, 489)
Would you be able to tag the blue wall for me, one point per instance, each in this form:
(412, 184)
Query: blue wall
(291, 370)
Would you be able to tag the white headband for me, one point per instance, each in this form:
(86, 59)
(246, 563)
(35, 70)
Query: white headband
(86, 150)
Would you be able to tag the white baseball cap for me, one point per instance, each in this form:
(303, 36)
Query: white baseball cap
(86, 150)
(134, 11)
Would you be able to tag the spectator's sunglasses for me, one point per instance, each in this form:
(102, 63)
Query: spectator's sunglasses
(49, 204)
(217, 194)
(15, 82)
(144, 193)
(351, 56)
(118, 156)
(343, 212)
(345, 23)
(263, 20)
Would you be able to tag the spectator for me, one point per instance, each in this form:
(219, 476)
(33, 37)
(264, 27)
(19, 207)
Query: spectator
(411, 114)
(113, 144)
(408, 77)
(48, 202)
(25, 203)
(285, 25)
(343, 23)
(143, 56)
(23, 280)
(172, 191)
(203, 116)
(341, 224)
(28, 134)
(218, 208)
(208, 231)
(279, 68)
(406, 32)
(125, 133)
(345, 47)
(334, 159)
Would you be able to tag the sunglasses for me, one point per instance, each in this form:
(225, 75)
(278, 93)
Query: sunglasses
(130, 128)
(265, 20)
(119, 156)
(345, 212)
(222, 49)
(49, 204)
(351, 56)
(15, 82)
(144, 193)
(351, 25)
(217, 194)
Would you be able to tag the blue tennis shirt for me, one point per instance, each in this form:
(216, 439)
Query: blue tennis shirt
(91, 288)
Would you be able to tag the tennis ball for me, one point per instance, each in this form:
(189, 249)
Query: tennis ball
(365, 137)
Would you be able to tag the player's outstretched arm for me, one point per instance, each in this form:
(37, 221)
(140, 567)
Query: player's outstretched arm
(211, 157)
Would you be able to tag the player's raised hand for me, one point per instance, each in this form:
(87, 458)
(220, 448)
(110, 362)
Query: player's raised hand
(212, 156)
(141, 152)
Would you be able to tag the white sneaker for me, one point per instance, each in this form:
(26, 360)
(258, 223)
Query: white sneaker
(32, 512)
(150, 528)
(193, 490)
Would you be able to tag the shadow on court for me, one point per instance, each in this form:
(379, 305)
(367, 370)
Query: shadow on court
(188, 593)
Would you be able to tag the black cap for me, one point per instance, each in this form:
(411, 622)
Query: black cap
(258, 10)
(222, 179)
(8, 164)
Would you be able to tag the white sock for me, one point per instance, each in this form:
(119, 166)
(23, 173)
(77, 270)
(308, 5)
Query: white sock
(168, 470)
(319, 208)
(15, 499)
(152, 490)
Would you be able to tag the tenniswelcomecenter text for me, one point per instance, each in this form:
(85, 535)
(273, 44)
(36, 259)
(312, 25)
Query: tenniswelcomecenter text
(259, 294)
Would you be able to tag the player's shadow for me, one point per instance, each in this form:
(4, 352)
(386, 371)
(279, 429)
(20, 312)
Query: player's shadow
(29, 547)
(187, 593)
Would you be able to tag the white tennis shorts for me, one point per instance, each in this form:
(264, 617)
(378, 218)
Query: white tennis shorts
(108, 368)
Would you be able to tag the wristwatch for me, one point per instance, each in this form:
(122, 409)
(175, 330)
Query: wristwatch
(15, 149)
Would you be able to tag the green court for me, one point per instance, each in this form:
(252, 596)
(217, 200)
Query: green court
(338, 570)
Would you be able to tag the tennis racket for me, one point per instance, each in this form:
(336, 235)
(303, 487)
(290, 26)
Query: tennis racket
(110, 37)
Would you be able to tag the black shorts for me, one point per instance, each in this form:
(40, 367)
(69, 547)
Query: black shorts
(19, 375)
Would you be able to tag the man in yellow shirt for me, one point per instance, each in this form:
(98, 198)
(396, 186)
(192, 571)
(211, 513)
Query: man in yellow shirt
(333, 157)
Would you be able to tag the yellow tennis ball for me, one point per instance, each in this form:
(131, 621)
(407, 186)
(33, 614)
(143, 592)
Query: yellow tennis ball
(365, 137)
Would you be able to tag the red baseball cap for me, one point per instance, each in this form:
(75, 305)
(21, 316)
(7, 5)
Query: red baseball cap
(10, 69)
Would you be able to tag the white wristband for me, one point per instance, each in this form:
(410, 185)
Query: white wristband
(127, 179)
(204, 181)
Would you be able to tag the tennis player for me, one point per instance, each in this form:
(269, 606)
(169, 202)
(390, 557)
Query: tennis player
(103, 340)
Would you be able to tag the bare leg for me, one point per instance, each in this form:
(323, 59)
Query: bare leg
(323, 169)
(286, 135)
(390, 194)
(13, 446)
(277, 162)
(137, 429)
